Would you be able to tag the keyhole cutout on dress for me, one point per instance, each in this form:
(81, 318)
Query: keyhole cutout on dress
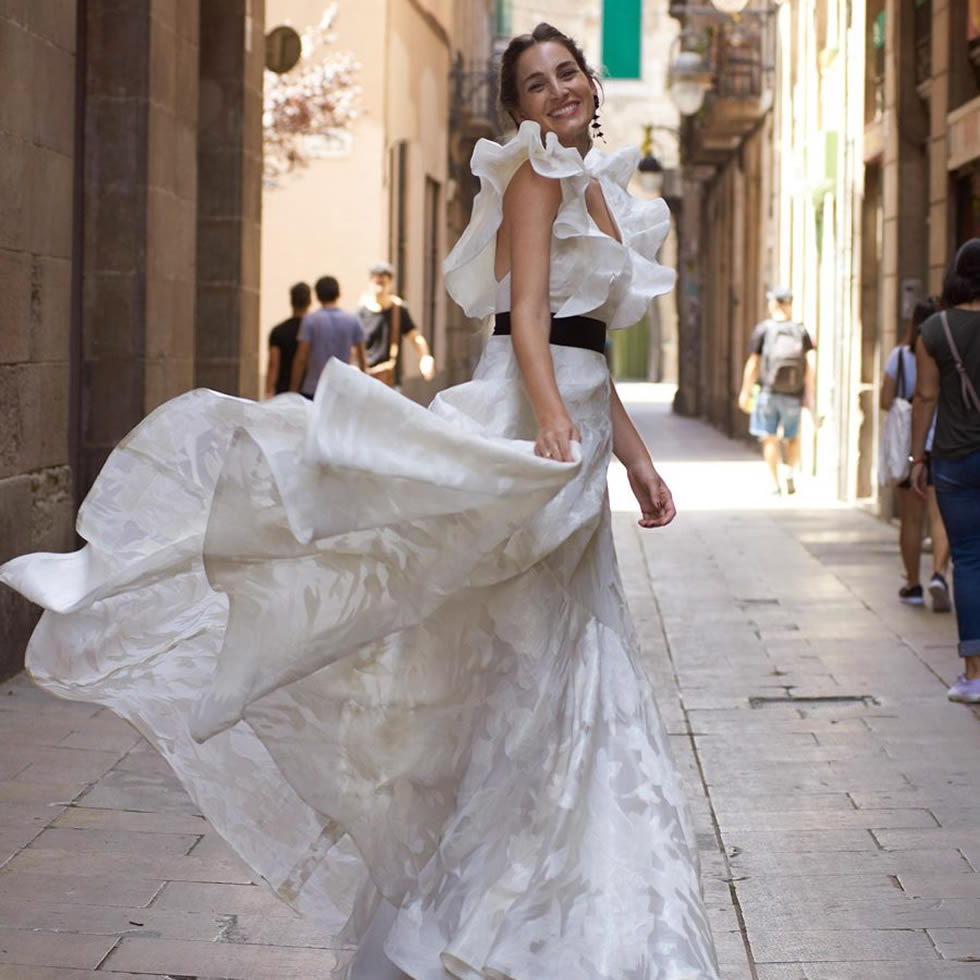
(595, 204)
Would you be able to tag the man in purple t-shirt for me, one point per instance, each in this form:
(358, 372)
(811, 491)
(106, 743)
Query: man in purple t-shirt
(325, 333)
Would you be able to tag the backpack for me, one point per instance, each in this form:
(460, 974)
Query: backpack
(783, 358)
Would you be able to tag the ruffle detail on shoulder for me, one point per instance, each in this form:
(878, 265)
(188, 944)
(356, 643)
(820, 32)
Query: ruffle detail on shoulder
(469, 268)
(591, 273)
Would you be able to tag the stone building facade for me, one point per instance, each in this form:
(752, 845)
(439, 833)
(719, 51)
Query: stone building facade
(921, 152)
(727, 167)
(391, 192)
(854, 189)
(130, 161)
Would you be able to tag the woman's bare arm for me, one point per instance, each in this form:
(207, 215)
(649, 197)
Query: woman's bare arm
(923, 408)
(652, 494)
(628, 444)
(530, 206)
(889, 387)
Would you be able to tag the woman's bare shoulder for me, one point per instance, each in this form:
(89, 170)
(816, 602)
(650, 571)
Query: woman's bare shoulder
(530, 190)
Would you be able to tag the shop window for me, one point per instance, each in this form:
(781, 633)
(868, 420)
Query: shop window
(968, 206)
(923, 41)
(878, 61)
(973, 32)
(622, 38)
(501, 18)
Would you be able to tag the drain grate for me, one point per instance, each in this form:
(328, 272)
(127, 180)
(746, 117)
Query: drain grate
(828, 701)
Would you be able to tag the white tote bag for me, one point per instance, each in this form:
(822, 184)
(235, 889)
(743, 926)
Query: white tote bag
(896, 435)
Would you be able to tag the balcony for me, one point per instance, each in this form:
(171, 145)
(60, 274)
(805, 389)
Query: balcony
(473, 100)
(738, 59)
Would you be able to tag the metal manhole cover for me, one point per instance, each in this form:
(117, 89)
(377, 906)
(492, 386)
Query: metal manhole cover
(814, 702)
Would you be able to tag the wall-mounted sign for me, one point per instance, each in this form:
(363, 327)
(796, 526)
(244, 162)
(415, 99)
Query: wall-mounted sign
(283, 48)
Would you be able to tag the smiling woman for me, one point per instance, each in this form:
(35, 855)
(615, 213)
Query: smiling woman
(386, 648)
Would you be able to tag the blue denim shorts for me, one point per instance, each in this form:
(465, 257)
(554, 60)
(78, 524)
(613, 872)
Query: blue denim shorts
(773, 410)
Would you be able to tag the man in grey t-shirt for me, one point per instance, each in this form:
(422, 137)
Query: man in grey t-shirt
(325, 333)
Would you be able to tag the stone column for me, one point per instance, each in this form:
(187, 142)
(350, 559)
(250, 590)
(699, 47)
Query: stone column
(139, 216)
(690, 224)
(230, 196)
(37, 162)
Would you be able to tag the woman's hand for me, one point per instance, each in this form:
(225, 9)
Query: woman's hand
(555, 440)
(919, 478)
(653, 495)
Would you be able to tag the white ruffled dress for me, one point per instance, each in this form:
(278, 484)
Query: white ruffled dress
(386, 648)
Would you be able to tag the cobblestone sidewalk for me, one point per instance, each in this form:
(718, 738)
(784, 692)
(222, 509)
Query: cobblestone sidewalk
(836, 791)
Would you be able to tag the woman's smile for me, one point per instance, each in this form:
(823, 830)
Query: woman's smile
(563, 112)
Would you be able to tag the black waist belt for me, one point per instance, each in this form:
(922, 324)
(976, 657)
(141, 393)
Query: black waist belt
(566, 331)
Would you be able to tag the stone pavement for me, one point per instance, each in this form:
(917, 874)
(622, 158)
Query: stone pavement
(836, 792)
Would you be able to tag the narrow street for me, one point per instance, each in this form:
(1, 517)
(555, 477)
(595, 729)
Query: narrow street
(836, 791)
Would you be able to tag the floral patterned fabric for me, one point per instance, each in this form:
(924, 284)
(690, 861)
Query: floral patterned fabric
(387, 651)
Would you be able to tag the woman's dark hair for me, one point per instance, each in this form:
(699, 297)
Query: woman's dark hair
(920, 313)
(962, 284)
(510, 97)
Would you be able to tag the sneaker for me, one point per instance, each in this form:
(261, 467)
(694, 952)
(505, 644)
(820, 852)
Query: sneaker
(967, 691)
(940, 594)
(911, 595)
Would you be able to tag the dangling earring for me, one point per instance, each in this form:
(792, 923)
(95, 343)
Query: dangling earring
(596, 124)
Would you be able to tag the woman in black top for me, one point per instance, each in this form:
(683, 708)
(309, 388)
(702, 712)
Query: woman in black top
(948, 363)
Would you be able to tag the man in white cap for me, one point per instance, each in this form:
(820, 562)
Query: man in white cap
(782, 359)
(387, 324)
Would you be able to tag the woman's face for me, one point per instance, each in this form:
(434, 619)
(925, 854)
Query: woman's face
(555, 93)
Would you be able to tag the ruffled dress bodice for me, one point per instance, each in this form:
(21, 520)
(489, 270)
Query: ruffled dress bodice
(592, 274)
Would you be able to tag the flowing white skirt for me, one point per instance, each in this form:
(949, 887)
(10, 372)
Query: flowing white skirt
(387, 651)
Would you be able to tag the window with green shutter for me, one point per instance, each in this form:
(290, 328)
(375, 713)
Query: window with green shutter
(622, 38)
(501, 18)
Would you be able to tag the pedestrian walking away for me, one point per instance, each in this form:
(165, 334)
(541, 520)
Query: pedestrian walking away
(386, 648)
(388, 326)
(899, 383)
(327, 333)
(948, 365)
(782, 360)
(283, 341)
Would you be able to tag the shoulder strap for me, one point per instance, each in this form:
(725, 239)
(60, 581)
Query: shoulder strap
(969, 393)
(900, 374)
(396, 328)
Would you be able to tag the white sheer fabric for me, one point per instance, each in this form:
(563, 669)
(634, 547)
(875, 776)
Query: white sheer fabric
(388, 652)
